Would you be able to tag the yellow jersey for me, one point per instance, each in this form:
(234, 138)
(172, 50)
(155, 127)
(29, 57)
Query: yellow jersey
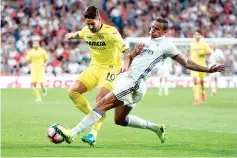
(198, 51)
(37, 58)
(105, 46)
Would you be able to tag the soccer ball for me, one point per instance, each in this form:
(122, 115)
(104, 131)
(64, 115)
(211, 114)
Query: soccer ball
(53, 135)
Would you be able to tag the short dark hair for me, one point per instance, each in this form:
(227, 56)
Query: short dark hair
(164, 22)
(198, 31)
(91, 12)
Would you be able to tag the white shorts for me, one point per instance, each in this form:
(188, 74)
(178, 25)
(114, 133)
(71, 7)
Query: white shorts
(128, 90)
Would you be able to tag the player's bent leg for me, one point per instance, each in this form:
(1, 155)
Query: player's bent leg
(106, 103)
(203, 93)
(36, 92)
(44, 89)
(196, 92)
(121, 113)
(136, 122)
(75, 93)
(166, 89)
(91, 137)
(213, 86)
(123, 119)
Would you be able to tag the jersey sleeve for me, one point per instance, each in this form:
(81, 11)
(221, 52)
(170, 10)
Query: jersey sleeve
(117, 40)
(82, 33)
(170, 49)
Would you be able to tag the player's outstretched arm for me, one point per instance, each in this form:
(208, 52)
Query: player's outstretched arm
(72, 35)
(195, 67)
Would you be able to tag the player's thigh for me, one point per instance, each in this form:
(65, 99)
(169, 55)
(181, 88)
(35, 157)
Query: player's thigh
(34, 76)
(195, 76)
(78, 86)
(86, 81)
(108, 79)
(202, 75)
(120, 114)
(41, 77)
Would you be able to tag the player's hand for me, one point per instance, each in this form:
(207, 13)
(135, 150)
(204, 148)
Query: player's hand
(139, 47)
(216, 68)
(71, 35)
(45, 64)
(124, 68)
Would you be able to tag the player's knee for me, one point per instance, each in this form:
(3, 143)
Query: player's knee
(120, 122)
(72, 94)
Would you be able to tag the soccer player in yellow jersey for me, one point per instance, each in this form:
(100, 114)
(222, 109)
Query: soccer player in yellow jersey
(38, 58)
(198, 52)
(105, 45)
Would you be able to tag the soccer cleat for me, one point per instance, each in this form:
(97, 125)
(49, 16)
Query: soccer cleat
(196, 102)
(38, 100)
(203, 95)
(65, 133)
(90, 139)
(161, 132)
(213, 93)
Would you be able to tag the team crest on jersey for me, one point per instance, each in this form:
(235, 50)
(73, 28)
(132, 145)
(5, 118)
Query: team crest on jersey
(101, 37)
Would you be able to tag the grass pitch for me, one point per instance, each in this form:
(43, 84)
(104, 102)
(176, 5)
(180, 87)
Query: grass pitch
(207, 130)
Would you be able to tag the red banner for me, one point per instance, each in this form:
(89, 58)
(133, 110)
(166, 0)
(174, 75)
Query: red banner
(65, 81)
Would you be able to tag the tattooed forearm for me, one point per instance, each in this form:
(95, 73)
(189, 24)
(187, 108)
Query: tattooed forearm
(193, 66)
(127, 56)
(190, 64)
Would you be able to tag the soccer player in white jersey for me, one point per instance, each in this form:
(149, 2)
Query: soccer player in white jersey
(163, 72)
(217, 57)
(131, 88)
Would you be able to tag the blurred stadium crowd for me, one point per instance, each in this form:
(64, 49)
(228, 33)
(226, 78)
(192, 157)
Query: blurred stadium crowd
(24, 21)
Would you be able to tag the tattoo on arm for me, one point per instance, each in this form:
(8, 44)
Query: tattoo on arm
(190, 64)
(127, 56)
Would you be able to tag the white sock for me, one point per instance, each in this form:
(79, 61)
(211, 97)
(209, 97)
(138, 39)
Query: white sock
(166, 88)
(136, 122)
(87, 122)
(161, 87)
(160, 90)
(213, 86)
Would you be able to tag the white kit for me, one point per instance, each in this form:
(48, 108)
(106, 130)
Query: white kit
(130, 87)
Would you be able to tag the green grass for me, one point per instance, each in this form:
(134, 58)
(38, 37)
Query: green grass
(207, 130)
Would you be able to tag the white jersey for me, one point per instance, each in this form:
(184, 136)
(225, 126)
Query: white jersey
(216, 56)
(130, 87)
(154, 53)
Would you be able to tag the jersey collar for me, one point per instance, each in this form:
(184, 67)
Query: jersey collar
(159, 38)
